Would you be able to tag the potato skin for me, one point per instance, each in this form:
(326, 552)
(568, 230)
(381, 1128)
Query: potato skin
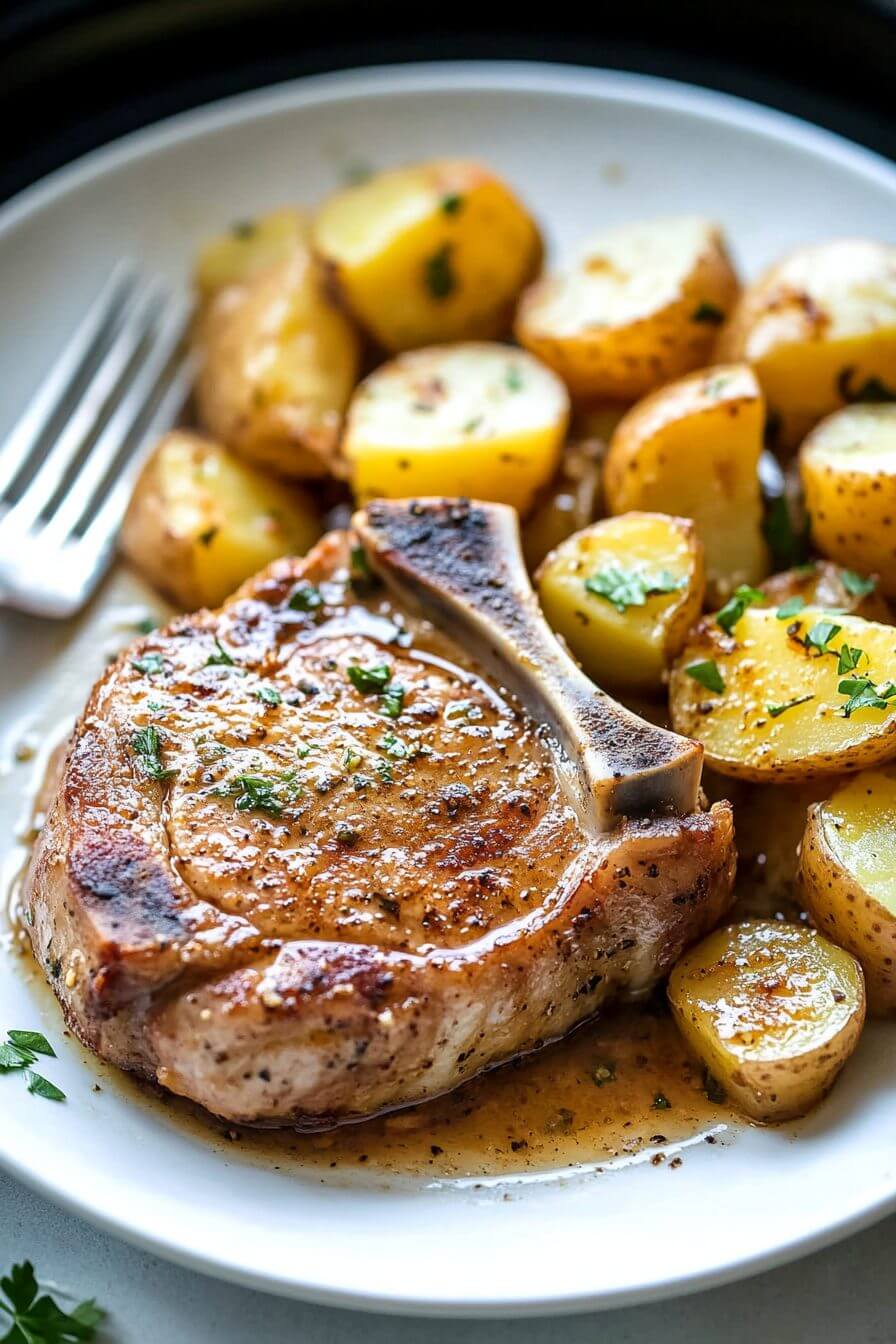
(818, 326)
(848, 470)
(200, 522)
(764, 662)
(845, 855)
(692, 448)
(821, 584)
(249, 248)
(279, 362)
(428, 254)
(608, 341)
(773, 1010)
(631, 648)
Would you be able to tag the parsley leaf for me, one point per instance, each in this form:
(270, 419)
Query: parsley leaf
(849, 659)
(394, 747)
(821, 635)
(661, 1102)
(268, 695)
(220, 657)
(392, 701)
(513, 378)
(625, 588)
(361, 576)
(38, 1319)
(438, 273)
(32, 1041)
(707, 674)
(151, 664)
(42, 1087)
(856, 584)
(147, 745)
(452, 203)
(374, 677)
(263, 793)
(791, 607)
(775, 710)
(708, 312)
(734, 608)
(863, 694)
(306, 597)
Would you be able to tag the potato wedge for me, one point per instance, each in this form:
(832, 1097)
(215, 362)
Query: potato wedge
(819, 328)
(818, 583)
(693, 449)
(623, 593)
(567, 503)
(200, 521)
(773, 1011)
(770, 702)
(248, 248)
(476, 419)
(433, 253)
(848, 469)
(848, 872)
(639, 305)
(279, 364)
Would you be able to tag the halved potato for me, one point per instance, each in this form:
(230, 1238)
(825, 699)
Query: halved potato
(436, 252)
(200, 521)
(848, 468)
(476, 419)
(819, 327)
(818, 583)
(279, 364)
(773, 1011)
(693, 449)
(788, 697)
(248, 248)
(623, 593)
(567, 503)
(848, 870)
(639, 305)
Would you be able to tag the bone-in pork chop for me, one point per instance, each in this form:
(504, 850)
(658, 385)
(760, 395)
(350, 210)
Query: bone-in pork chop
(309, 859)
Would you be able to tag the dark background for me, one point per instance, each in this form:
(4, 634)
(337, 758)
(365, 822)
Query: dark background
(77, 73)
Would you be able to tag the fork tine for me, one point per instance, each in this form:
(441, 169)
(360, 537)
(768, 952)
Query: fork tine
(19, 444)
(41, 489)
(76, 503)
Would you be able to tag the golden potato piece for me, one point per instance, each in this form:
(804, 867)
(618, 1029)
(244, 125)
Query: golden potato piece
(433, 253)
(848, 871)
(623, 593)
(773, 1011)
(788, 697)
(848, 469)
(693, 449)
(818, 583)
(248, 248)
(476, 419)
(567, 503)
(200, 521)
(279, 362)
(638, 306)
(819, 328)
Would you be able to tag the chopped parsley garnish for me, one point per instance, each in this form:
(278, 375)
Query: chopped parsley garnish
(268, 695)
(661, 1102)
(438, 273)
(220, 657)
(734, 608)
(207, 537)
(788, 547)
(392, 700)
(19, 1052)
(306, 598)
(625, 588)
(513, 378)
(775, 710)
(820, 636)
(146, 626)
(873, 389)
(264, 793)
(452, 203)
(384, 770)
(147, 745)
(463, 709)
(151, 664)
(361, 576)
(707, 674)
(602, 1074)
(374, 677)
(856, 584)
(849, 659)
(792, 607)
(39, 1086)
(863, 694)
(33, 1041)
(351, 759)
(394, 747)
(708, 312)
(36, 1318)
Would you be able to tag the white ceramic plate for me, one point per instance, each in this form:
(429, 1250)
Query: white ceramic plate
(585, 148)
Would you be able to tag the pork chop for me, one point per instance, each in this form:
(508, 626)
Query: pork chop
(310, 860)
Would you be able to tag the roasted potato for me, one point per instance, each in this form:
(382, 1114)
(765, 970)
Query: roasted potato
(848, 469)
(848, 872)
(623, 593)
(279, 362)
(693, 449)
(773, 1011)
(639, 305)
(787, 697)
(819, 328)
(567, 503)
(818, 583)
(428, 254)
(477, 419)
(248, 248)
(200, 521)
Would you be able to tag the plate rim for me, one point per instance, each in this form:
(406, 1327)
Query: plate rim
(486, 76)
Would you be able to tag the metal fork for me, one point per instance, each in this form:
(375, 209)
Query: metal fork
(68, 466)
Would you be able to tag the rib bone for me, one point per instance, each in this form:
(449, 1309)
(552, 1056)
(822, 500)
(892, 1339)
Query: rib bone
(460, 563)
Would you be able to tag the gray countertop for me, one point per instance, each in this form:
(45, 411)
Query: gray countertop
(841, 1294)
